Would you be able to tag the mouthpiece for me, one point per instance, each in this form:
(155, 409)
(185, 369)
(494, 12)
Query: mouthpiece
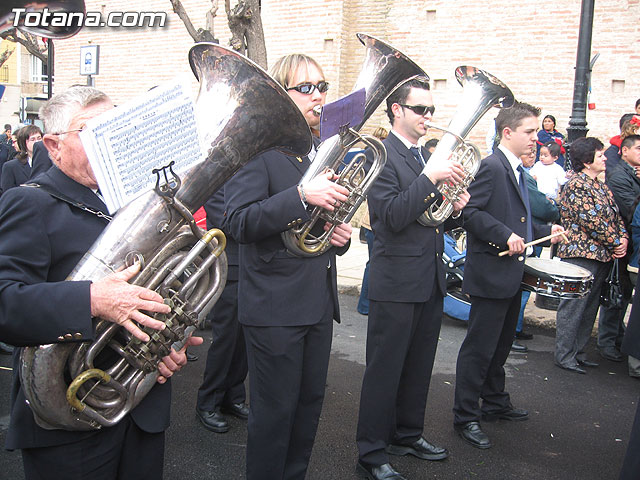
(317, 110)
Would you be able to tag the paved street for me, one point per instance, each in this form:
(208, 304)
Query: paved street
(578, 429)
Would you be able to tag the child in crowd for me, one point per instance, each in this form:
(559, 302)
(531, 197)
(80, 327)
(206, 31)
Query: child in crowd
(549, 175)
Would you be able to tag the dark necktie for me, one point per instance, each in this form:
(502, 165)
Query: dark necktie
(417, 155)
(525, 197)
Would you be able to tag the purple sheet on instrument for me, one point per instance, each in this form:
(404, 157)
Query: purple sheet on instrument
(348, 110)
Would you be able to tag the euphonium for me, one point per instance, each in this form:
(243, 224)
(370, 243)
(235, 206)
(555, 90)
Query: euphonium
(67, 7)
(245, 113)
(481, 91)
(383, 70)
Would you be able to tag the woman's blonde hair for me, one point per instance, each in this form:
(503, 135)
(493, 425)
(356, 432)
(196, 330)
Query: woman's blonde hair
(286, 67)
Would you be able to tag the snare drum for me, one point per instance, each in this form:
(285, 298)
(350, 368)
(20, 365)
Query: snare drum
(555, 279)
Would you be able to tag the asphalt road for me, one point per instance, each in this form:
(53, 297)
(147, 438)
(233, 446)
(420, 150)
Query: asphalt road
(578, 429)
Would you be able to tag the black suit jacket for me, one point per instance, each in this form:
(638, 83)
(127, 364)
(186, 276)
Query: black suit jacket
(217, 218)
(406, 256)
(495, 211)
(14, 173)
(276, 287)
(41, 240)
(41, 161)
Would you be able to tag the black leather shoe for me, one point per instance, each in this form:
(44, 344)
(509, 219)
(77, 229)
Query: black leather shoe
(5, 349)
(378, 472)
(519, 348)
(239, 410)
(473, 435)
(213, 421)
(573, 368)
(587, 363)
(513, 415)
(421, 449)
(191, 357)
(522, 335)
(611, 353)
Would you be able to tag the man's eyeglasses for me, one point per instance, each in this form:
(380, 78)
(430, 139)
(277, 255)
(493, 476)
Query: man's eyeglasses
(70, 131)
(308, 88)
(419, 109)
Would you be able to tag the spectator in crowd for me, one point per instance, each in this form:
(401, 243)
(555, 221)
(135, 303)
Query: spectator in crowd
(18, 171)
(550, 134)
(638, 107)
(5, 136)
(431, 145)
(365, 230)
(596, 235)
(623, 181)
(549, 175)
(613, 151)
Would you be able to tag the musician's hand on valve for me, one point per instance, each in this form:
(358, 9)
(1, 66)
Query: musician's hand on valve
(323, 192)
(117, 301)
(175, 360)
(463, 199)
(515, 244)
(341, 234)
(444, 171)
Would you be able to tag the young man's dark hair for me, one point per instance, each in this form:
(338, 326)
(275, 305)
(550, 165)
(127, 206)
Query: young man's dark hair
(400, 94)
(512, 117)
(629, 141)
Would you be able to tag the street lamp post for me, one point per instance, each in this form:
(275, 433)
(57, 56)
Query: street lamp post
(578, 123)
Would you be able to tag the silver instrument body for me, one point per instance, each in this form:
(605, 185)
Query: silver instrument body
(50, 31)
(384, 69)
(245, 112)
(481, 91)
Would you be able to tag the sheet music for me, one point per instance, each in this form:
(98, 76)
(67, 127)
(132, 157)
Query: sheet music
(126, 143)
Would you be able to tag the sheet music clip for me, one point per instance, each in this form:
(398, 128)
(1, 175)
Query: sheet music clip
(171, 184)
(337, 117)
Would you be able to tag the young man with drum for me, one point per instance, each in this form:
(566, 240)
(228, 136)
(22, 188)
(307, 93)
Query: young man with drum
(492, 281)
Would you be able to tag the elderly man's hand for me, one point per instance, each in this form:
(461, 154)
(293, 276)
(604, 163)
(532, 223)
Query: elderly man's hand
(176, 360)
(117, 301)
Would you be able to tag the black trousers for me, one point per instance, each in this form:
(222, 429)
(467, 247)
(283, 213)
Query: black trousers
(226, 368)
(402, 339)
(483, 353)
(122, 452)
(287, 376)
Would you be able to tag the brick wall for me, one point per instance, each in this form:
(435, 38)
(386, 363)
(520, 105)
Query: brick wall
(529, 45)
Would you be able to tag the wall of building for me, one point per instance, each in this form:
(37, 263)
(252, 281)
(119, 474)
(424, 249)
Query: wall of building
(529, 45)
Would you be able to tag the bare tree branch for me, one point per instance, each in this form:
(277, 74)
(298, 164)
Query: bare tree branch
(199, 35)
(5, 56)
(29, 41)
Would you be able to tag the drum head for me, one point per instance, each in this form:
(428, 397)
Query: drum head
(555, 268)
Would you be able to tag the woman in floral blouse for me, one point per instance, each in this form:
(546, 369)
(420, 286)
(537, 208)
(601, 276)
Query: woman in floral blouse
(596, 235)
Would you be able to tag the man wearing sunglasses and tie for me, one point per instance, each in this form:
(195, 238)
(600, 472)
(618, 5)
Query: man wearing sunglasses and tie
(406, 289)
(286, 303)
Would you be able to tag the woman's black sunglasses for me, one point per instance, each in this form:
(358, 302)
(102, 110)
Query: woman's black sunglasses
(308, 88)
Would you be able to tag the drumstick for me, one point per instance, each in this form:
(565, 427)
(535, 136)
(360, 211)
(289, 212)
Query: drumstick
(539, 240)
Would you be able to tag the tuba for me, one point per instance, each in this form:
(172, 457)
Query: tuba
(246, 113)
(481, 91)
(66, 7)
(383, 70)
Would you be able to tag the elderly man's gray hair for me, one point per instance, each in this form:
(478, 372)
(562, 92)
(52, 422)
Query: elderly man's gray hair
(57, 113)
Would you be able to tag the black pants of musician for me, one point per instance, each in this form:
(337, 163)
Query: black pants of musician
(402, 339)
(287, 375)
(122, 452)
(226, 368)
(483, 353)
